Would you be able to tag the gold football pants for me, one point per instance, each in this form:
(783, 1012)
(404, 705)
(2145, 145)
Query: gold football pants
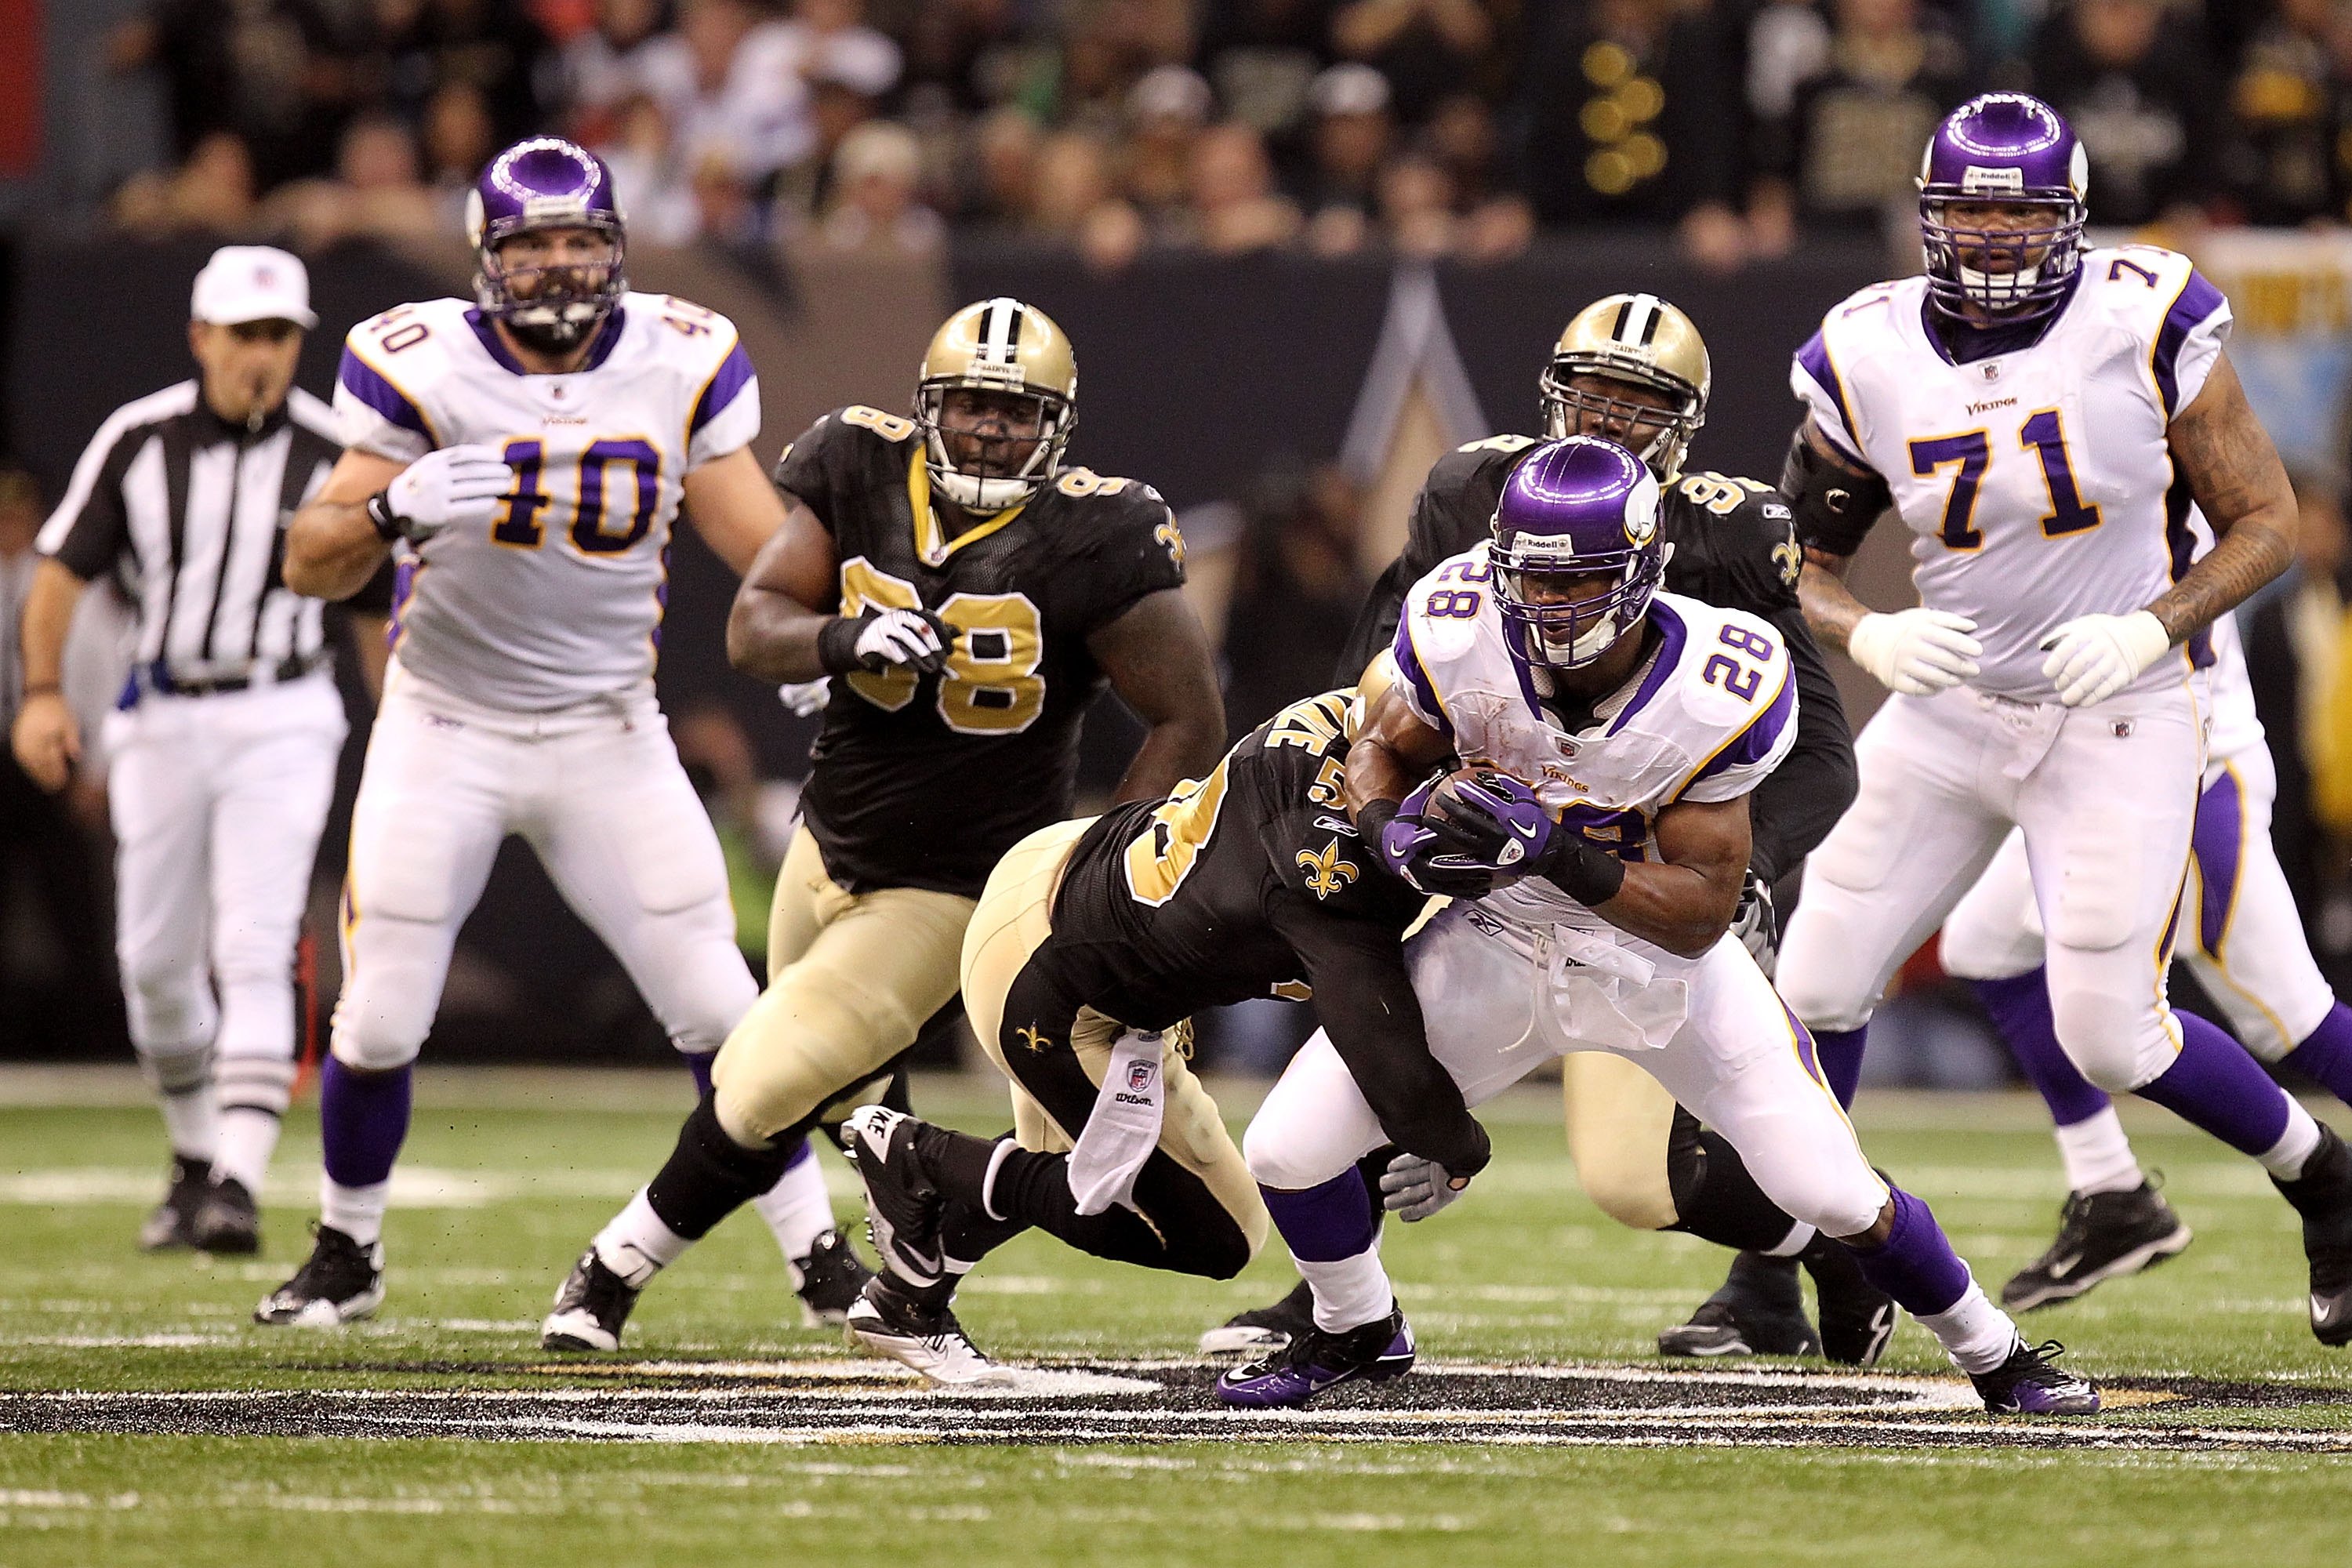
(1619, 1121)
(851, 979)
(1014, 918)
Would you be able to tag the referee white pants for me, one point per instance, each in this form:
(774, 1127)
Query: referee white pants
(2106, 795)
(597, 792)
(217, 804)
(1737, 1062)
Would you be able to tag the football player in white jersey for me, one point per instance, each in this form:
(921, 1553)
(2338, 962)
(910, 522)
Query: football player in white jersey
(2247, 949)
(1594, 845)
(525, 454)
(2049, 423)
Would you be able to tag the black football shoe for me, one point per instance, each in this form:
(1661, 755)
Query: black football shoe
(2323, 1196)
(1759, 1310)
(173, 1223)
(339, 1281)
(903, 1204)
(828, 1280)
(1857, 1317)
(591, 1306)
(2101, 1236)
(1264, 1329)
(2031, 1383)
(230, 1222)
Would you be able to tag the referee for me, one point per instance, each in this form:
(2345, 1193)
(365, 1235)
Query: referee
(224, 740)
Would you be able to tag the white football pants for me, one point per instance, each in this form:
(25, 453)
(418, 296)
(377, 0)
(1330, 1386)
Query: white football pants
(2246, 945)
(597, 792)
(217, 804)
(2106, 797)
(1738, 1062)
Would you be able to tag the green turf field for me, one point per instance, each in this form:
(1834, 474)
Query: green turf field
(2216, 1455)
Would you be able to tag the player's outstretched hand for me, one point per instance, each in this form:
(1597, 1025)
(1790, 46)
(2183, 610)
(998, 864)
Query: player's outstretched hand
(1412, 1188)
(886, 639)
(1918, 652)
(2091, 657)
(451, 486)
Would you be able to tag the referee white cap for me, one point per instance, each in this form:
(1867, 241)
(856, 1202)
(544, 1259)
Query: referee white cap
(252, 283)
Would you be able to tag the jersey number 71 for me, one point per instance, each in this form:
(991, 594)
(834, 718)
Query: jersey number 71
(1970, 453)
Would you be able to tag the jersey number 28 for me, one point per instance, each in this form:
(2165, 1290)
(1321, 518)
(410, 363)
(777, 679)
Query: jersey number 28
(991, 686)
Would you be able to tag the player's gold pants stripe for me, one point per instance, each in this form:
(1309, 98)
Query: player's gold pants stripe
(851, 979)
(1619, 1119)
(1014, 918)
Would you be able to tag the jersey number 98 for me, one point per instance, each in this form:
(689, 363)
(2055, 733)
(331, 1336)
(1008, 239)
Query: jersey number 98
(991, 686)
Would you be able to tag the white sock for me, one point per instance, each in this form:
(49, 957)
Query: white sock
(636, 1245)
(2285, 1158)
(357, 1212)
(1349, 1292)
(1800, 1236)
(1976, 1335)
(191, 1121)
(798, 1210)
(247, 1138)
(2098, 1155)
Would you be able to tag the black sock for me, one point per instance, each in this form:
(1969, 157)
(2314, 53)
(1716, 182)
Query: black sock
(710, 1175)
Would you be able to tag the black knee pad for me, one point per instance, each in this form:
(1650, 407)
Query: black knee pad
(1716, 1199)
(710, 1175)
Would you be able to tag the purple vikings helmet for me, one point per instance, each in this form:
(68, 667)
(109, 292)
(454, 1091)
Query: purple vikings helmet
(2005, 147)
(544, 182)
(1577, 508)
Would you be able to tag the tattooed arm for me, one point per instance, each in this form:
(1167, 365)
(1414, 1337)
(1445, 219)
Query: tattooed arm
(2234, 472)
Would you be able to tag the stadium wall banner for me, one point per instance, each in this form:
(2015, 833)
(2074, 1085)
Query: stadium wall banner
(2291, 293)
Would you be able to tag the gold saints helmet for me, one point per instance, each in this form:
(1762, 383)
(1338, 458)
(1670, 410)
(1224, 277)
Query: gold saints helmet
(999, 345)
(1640, 340)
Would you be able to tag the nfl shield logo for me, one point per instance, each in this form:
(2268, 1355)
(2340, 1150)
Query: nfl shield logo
(1139, 1077)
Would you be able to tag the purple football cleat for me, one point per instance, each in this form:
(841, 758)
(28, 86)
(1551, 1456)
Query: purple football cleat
(2031, 1383)
(1373, 1352)
(2005, 148)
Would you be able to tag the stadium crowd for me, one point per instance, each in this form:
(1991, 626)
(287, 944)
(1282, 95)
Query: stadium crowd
(1428, 127)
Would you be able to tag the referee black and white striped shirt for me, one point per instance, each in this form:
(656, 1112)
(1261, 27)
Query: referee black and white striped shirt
(191, 512)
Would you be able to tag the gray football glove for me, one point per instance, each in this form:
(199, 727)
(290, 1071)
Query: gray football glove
(1756, 926)
(1412, 1188)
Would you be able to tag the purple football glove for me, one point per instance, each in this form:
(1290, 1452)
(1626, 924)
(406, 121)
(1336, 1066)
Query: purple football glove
(1492, 820)
(1415, 848)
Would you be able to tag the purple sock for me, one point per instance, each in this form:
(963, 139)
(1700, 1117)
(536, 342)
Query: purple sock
(2019, 1007)
(2214, 1084)
(2325, 1054)
(363, 1119)
(1324, 1223)
(699, 1064)
(800, 1156)
(1839, 1054)
(1917, 1266)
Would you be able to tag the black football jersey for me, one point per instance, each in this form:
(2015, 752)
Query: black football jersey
(1735, 546)
(1254, 882)
(924, 781)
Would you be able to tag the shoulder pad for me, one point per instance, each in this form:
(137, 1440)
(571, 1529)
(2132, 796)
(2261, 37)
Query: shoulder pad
(409, 345)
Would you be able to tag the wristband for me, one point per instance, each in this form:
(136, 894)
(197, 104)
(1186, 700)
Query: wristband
(1588, 873)
(43, 688)
(388, 524)
(836, 644)
(1372, 817)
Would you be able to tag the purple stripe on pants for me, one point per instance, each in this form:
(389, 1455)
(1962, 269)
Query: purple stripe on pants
(2219, 843)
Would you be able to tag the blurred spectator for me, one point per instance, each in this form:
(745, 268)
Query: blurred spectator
(1338, 188)
(1002, 179)
(837, 110)
(1295, 592)
(1632, 116)
(2130, 77)
(653, 191)
(1073, 199)
(603, 67)
(421, 49)
(729, 83)
(1262, 54)
(1166, 110)
(831, 43)
(459, 137)
(877, 173)
(1849, 151)
(963, 46)
(1235, 207)
(375, 192)
(265, 71)
(211, 193)
(1416, 203)
(2293, 97)
(1426, 49)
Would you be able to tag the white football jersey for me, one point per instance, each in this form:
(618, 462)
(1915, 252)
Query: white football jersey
(2236, 727)
(2036, 483)
(559, 599)
(1706, 717)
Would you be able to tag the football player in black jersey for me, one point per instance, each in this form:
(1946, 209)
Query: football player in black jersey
(1633, 368)
(1093, 946)
(969, 597)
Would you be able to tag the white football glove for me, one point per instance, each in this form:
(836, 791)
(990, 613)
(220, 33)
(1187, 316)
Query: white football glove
(910, 638)
(1413, 1188)
(2091, 657)
(452, 487)
(1918, 652)
(807, 698)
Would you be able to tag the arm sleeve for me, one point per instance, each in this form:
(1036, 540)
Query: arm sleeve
(373, 415)
(725, 413)
(90, 532)
(1795, 805)
(1364, 998)
(2190, 342)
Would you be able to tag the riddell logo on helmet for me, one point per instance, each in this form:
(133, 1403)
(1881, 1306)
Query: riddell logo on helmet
(554, 209)
(1981, 179)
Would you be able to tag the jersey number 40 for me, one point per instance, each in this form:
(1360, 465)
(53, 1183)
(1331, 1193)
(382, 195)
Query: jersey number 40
(991, 686)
